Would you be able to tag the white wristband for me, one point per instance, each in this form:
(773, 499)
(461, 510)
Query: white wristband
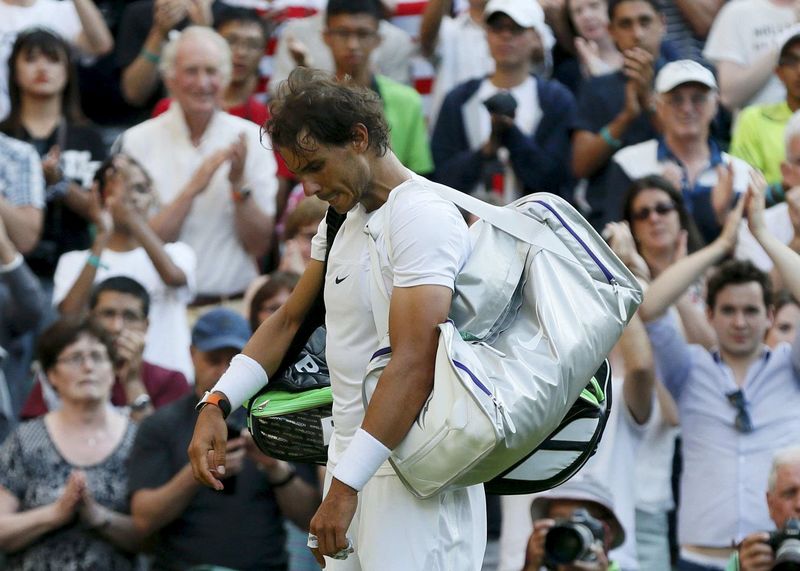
(361, 460)
(244, 378)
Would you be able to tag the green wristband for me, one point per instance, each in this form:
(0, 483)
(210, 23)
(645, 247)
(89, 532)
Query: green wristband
(150, 56)
(95, 261)
(609, 138)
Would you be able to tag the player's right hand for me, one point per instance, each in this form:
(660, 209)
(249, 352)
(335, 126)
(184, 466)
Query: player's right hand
(208, 446)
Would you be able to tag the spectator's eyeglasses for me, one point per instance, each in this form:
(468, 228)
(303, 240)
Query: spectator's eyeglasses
(77, 359)
(249, 44)
(743, 422)
(345, 34)
(660, 208)
(696, 99)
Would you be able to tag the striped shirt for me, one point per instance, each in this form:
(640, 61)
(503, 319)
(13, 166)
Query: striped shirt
(21, 177)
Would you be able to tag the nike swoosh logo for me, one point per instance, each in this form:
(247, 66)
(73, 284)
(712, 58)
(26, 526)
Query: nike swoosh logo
(340, 280)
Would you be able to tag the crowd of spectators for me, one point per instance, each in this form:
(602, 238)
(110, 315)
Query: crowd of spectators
(147, 227)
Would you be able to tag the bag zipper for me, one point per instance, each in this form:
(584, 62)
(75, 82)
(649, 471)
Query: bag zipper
(623, 314)
(310, 399)
(497, 403)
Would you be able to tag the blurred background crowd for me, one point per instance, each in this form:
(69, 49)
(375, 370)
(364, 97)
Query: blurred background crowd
(147, 227)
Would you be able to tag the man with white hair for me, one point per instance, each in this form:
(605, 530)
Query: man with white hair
(216, 194)
(685, 105)
(783, 500)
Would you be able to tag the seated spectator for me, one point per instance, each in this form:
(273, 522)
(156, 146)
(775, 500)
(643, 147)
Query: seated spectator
(270, 296)
(45, 112)
(759, 135)
(615, 110)
(21, 309)
(592, 498)
(79, 22)
(456, 45)
(787, 318)
(301, 226)
(783, 501)
(739, 393)
(63, 492)
(126, 245)
(594, 45)
(215, 183)
(518, 149)
(143, 33)
(352, 33)
(119, 306)
(302, 43)
(685, 107)
(21, 193)
(743, 45)
(197, 525)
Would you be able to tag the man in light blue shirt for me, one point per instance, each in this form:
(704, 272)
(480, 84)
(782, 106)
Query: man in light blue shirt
(738, 403)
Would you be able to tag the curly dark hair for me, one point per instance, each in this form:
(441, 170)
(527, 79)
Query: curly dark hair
(735, 272)
(313, 108)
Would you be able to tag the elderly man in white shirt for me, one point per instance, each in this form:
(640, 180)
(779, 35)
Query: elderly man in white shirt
(217, 194)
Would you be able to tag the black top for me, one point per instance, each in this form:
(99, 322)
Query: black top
(242, 530)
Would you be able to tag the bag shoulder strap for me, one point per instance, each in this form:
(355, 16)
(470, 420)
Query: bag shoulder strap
(506, 219)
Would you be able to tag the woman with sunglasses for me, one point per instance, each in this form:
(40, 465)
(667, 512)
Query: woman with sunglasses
(63, 479)
(45, 112)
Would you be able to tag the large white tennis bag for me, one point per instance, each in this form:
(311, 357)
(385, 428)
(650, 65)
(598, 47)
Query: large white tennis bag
(537, 308)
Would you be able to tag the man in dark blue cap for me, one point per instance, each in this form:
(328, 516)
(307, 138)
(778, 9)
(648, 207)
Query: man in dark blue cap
(195, 524)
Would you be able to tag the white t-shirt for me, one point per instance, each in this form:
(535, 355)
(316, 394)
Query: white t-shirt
(461, 54)
(168, 338)
(58, 15)
(429, 244)
(612, 464)
(164, 148)
(742, 31)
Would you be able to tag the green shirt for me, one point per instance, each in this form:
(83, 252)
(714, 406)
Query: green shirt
(733, 562)
(402, 106)
(758, 138)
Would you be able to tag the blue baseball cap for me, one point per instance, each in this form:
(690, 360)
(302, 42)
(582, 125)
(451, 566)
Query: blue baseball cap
(220, 328)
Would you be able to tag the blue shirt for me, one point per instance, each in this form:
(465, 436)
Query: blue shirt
(725, 471)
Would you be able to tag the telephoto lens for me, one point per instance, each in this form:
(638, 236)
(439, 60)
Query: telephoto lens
(572, 539)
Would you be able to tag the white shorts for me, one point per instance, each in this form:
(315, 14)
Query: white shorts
(394, 531)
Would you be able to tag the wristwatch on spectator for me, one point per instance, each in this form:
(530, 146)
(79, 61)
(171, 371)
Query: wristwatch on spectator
(216, 399)
(141, 402)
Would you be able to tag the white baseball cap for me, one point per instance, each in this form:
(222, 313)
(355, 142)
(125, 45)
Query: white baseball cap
(525, 13)
(683, 71)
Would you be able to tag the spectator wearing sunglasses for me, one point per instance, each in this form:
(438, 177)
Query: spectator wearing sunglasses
(685, 105)
(736, 402)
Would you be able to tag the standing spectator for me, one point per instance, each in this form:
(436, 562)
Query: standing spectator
(125, 245)
(737, 402)
(143, 34)
(302, 43)
(759, 134)
(217, 195)
(21, 193)
(21, 309)
(119, 307)
(523, 146)
(45, 112)
(742, 45)
(63, 493)
(352, 33)
(79, 22)
(456, 45)
(616, 110)
(688, 24)
(686, 104)
(196, 525)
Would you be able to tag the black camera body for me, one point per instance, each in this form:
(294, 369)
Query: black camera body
(502, 103)
(785, 544)
(572, 539)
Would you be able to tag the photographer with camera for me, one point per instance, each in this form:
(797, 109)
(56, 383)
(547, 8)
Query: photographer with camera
(574, 527)
(507, 132)
(779, 550)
